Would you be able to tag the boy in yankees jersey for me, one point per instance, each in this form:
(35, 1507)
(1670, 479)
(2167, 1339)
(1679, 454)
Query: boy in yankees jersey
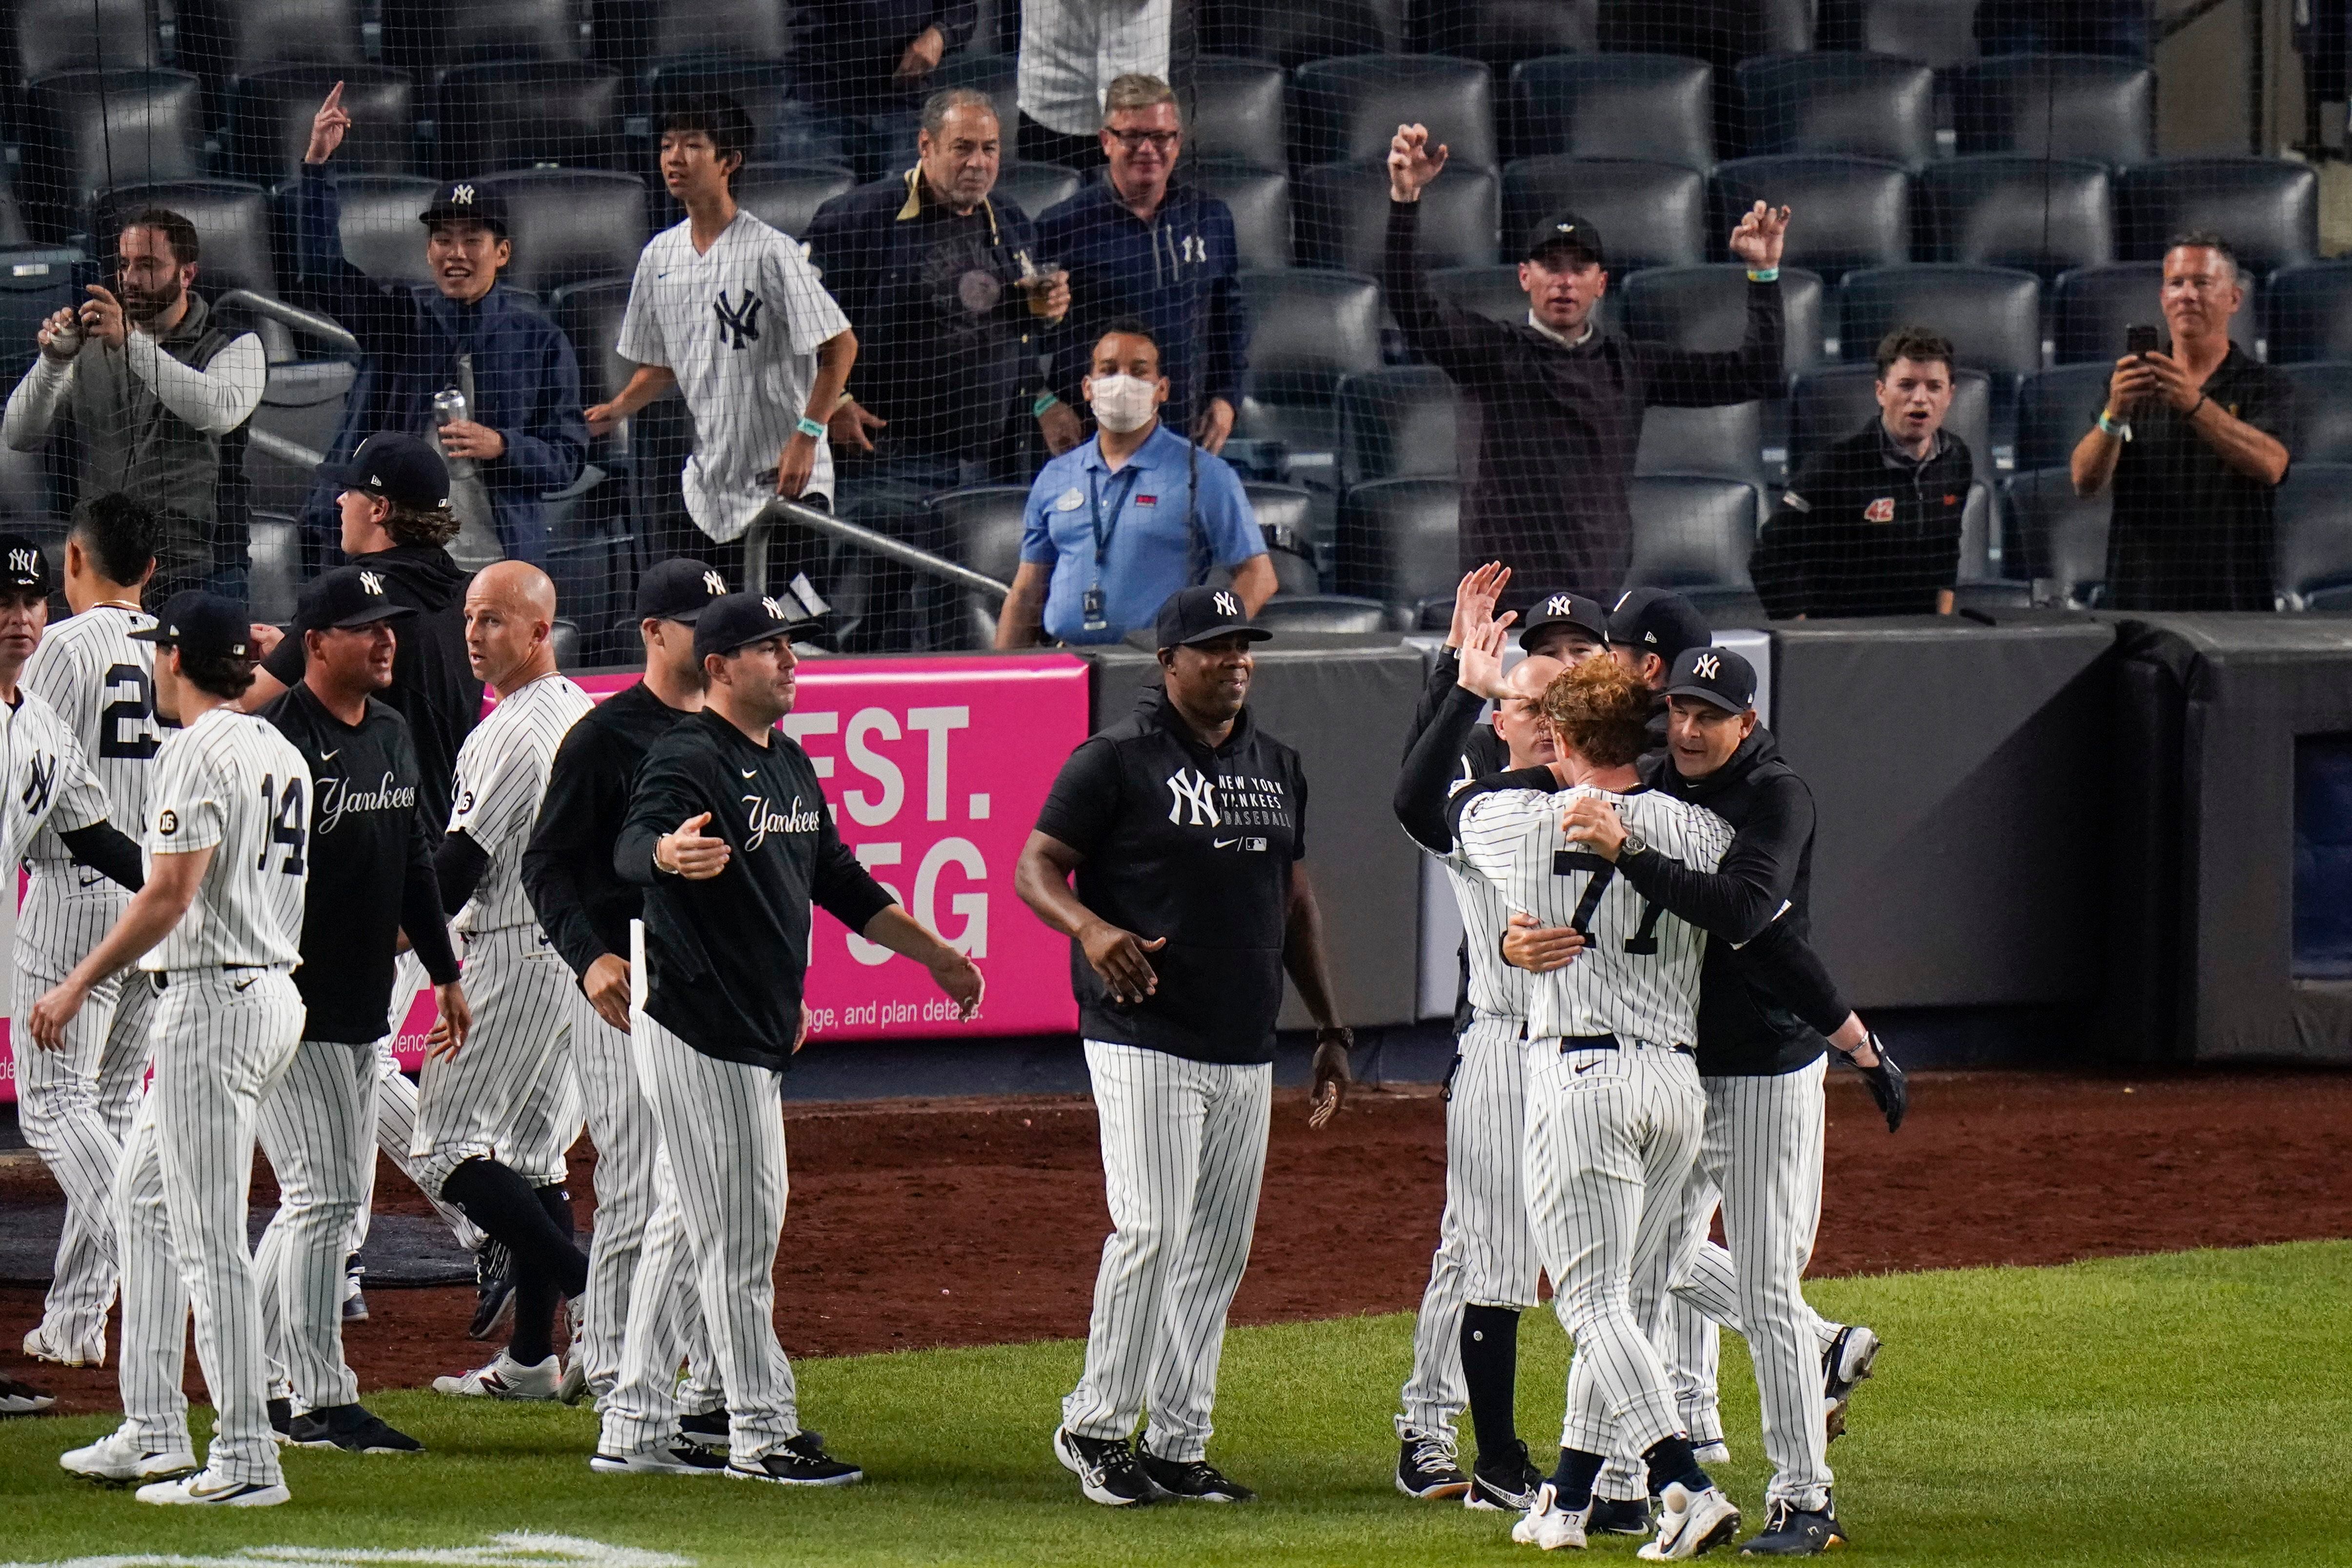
(216, 930)
(1614, 1109)
(491, 1127)
(75, 1105)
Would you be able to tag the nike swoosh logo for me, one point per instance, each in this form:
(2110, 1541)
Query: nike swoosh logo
(231, 1489)
(241, 984)
(329, 756)
(750, 773)
(1588, 1067)
(1224, 843)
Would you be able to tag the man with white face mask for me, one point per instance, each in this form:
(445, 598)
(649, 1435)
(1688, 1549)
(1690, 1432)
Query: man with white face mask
(1117, 525)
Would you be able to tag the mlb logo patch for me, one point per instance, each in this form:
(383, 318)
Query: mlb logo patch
(1881, 510)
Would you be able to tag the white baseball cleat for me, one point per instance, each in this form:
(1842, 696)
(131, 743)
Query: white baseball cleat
(204, 1488)
(1710, 1451)
(1550, 1526)
(41, 1347)
(118, 1458)
(505, 1378)
(1692, 1523)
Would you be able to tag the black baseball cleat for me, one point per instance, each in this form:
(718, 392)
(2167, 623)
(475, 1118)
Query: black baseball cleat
(22, 1399)
(1796, 1532)
(1618, 1516)
(352, 1428)
(1849, 1359)
(493, 1291)
(1505, 1484)
(800, 1462)
(1106, 1467)
(676, 1460)
(1191, 1481)
(281, 1420)
(1429, 1467)
(706, 1427)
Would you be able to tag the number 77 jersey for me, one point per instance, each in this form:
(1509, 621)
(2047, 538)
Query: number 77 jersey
(1638, 974)
(231, 783)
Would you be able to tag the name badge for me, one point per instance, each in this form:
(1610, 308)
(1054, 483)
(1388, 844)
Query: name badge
(1070, 500)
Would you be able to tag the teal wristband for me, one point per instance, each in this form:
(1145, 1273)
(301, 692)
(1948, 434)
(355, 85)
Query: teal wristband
(1043, 403)
(1764, 275)
(810, 428)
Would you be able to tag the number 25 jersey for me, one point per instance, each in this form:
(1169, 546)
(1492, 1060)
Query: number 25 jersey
(231, 783)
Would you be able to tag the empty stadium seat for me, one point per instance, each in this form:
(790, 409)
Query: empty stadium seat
(590, 315)
(379, 224)
(1991, 314)
(512, 115)
(2007, 210)
(2268, 208)
(425, 36)
(1323, 613)
(1649, 215)
(782, 195)
(1938, 32)
(1259, 200)
(1978, 526)
(231, 224)
(2096, 304)
(1503, 32)
(2055, 409)
(1829, 405)
(984, 523)
(1398, 540)
(1691, 533)
(36, 281)
(783, 130)
(2065, 106)
(1704, 310)
(1724, 32)
(1856, 210)
(55, 36)
(1492, 292)
(1233, 111)
(2314, 530)
(1651, 107)
(12, 229)
(568, 224)
(1346, 112)
(2055, 538)
(682, 29)
(2309, 313)
(1342, 217)
(1307, 328)
(274, 567)
(271, 113)
(1284, 514)
(1033, 187)
(233, 38)
(1293, 34)
(27, 501)
(84, 130)
(1398, 423)
(1855, 105)
(2323, 412)
(1725, 442)
(301, 404)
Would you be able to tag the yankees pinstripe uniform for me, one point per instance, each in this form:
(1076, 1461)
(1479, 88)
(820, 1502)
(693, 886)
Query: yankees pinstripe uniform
(228, 1019)
(75, 1105)
(739, 324)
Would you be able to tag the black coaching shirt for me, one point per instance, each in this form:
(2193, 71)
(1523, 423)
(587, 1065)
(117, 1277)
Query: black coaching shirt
(726, 958)
(1196, 846)
(371, 870)
(2189, 532)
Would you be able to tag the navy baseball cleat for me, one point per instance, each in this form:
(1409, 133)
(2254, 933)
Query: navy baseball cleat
(1849, 1359)
(1620, 1516)
(800, 1462)
(1106, 1467)
(493, 1291)
(1507, 1484)
(1796, 1532)
(1429, 1466)
(352, 1428)
(708, 1427)
(1191, 1481)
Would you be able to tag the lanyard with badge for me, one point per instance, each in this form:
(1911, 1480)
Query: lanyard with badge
(1122, 489)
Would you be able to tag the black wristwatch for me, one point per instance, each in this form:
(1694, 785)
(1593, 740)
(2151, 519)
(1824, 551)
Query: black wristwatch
(1635, 844)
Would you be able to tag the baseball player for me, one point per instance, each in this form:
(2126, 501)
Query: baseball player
(729, 831)
(75, 1105)
(371, 877)
(1614, 1109)
(216, 930)
(491, 1132)
(1185, 825)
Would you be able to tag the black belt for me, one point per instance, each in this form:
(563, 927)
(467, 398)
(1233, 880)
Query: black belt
(1569, 1043)
(163, 980)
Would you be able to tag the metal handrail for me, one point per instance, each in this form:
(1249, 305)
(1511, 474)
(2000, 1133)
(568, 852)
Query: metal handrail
(300, 320)
(272, 445)
(755, 548)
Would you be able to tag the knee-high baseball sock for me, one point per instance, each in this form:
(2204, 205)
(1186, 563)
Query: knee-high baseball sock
(1490, 1370)
(1670, 1459)
(1572, 1483)
(537, 1295)
(509, 1209)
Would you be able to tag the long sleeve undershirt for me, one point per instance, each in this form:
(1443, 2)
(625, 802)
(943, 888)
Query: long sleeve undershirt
(215, 400)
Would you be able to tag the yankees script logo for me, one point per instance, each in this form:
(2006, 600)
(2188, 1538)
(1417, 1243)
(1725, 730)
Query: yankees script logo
(738, 324)
(761, 822)
(1191, 788)
(336, 797)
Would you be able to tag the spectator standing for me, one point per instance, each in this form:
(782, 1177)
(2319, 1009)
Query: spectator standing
(864, 66)
(1070, 51)
(1872, 527)
(522, 435)
(1142, 243)
(159, 393)
(943, 285)
(1556, 402)
(2194, 442)
(1117, 526)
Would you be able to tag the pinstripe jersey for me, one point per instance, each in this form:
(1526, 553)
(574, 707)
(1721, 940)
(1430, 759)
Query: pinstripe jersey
(102, 684)
(1496, 987)
(494, 799)
(231, 780)
(1639, 978)
(44, 775)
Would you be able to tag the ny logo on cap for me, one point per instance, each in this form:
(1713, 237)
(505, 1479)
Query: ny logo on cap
(775, 611)
(1706, 666)
(1557, 604)
(370, 583)
(23, 561)
(713, 584)
(1226, 604)
(463, 195)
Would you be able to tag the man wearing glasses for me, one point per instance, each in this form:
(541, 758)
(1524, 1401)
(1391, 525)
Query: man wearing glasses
(1141, 244)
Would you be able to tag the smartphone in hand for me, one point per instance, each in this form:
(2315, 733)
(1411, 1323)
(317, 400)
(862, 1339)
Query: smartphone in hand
(2141, 340)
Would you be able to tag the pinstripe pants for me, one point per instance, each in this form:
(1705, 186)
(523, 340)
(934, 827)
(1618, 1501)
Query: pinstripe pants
(318, 1127)
(75, 1106)
(1485, 1254)
(1183, 1151)
(396, 1117)
(504, 1096)
(180, 1208)
(1610, 1138)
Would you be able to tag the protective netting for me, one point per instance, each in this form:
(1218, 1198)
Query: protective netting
(1400, 395)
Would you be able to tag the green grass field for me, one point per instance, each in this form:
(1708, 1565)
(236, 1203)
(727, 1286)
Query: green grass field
(2184, 1408)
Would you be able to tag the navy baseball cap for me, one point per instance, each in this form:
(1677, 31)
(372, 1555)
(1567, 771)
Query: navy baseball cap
(202, 626)
(1566, 231)
(22, 564)
(1569, 610)
(1653, 621)
(347, 596)
(1716, 675)
(679, 589)
(1203, 615)
(403, 468)
(461, 201)
(737, 620)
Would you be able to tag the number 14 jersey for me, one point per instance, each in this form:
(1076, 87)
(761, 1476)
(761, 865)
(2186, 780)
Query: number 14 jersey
(231, 783)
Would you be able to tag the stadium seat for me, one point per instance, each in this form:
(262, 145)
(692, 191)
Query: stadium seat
(1857, 210)
(1398, 540)
(686, 29)
(1725, 442)
(2055, 538)
(1723, 32)
(570, 224)
(1938, 32)
(1829, 405)
(84, 130)
(783, 130)
(2055, 407)
(231, 224)
(1503, 32)
(271, 113)
(1991, 314)
(2067, 106)
(1691, 533)
(13, 230)
(1323, 613)
(380, 230)
(1284, 514)
(36, 281)
(1651, 107)
(302, 404)
(274, 554)
(55, 36)
(1397, 423)
(782, 195)
(2267, 207)
(1307, 328)
(1649, 215)
(2096, 304)
(1346, 112)
(1342, 215)
(425, 37)
(984, 523)
(1293, 34)
(590, 315)
(1705, 309)
(2006, 210)
(1233, 111)
(1033, 187)
(26, 499)
(1855, 105)
(2323, 412)
(2309, 311)
(1492, 292)
(511, 116)
(2314, 530)
(233, 38)
(1259, 200)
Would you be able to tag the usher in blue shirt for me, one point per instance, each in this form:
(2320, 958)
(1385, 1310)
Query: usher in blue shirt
(1148, 547)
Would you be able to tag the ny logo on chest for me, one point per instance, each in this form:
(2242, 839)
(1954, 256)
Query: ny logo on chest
(40, 782)
(738, 324)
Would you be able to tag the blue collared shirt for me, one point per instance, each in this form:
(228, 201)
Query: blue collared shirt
(1156, 540)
